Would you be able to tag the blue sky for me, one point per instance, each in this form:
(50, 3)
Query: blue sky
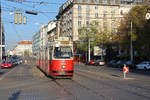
(15, 33)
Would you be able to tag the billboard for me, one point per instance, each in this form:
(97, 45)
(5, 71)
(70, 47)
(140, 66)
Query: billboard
(99, 51)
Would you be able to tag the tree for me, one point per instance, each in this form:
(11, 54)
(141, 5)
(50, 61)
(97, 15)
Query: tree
(97, 36)
(26, 53)
(140, 31)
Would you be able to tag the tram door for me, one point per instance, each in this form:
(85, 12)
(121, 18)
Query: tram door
(50, 58)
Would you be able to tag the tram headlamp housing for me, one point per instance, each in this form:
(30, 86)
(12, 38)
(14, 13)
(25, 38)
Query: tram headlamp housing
(63, 67)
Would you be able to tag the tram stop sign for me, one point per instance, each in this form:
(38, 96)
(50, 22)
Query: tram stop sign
(125, 69)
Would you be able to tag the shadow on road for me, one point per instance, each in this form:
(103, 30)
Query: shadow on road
(141, 72)
(15, 95)
(1, 73)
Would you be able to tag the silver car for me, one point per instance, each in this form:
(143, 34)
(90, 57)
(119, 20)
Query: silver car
(143, 65)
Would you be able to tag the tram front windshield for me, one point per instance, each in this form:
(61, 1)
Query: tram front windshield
(62, 52)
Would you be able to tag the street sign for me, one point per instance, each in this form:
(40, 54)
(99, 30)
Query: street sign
(125, 71)
(147, 16)
(99, 51)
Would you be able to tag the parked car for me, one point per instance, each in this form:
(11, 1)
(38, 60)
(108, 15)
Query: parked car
(130, 64)
(91, 62)
(143, 65)
(112, 63)
(99, 62)
(19, 61)
(120, 63)
(7, 64)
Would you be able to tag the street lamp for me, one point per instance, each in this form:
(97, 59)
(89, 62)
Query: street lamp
(131, 42)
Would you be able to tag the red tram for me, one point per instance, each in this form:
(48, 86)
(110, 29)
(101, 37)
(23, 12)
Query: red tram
(56, 59)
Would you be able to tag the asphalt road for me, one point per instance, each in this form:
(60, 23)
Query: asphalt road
(25, 82)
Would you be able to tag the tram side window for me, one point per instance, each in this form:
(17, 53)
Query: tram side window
(62, 52)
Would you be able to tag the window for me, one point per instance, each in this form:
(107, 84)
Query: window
(126, 1)
(79, 15)
(121, 12)
(104, 1)
(87, 23)
(79, 23)
(96, 15)
(104, 15)
(62, 52)
(96, 7)
(87, 15)
(112, 16)
(105, 25)
(138, 1)
(87, 1)
(87, 8)
(79, 7)
(112, 2)
(105, 9)
(113, 10)
(96, 1)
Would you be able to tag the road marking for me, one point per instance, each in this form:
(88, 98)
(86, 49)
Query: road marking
(1, 78)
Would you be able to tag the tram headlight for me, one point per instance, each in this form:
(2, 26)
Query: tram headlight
(63, 67)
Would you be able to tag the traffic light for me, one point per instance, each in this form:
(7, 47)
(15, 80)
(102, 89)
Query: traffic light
(24, 19)
(18, 18)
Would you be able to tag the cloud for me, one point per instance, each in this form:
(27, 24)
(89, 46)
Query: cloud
(11, 13)
(36, 23)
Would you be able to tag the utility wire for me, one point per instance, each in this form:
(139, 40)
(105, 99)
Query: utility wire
(42, 2)
(16, 32)
(36, 11)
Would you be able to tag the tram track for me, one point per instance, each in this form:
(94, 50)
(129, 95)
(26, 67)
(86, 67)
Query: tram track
(86, 75)
(89, 89)
(65, 89)
(71, 81)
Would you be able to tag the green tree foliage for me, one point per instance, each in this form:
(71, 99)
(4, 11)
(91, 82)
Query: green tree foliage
(140, 31)
(95, 34)
(26, 53)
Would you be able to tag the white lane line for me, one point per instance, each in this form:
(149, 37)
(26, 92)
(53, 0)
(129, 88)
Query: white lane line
(1, 78)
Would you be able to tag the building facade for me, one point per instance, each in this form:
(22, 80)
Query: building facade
(36, 42)
(41, 39)
(23, 48)
(2, 42)
(51, 32)
(75, 14)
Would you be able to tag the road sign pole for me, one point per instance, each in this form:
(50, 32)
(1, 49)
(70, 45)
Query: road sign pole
(124, 75)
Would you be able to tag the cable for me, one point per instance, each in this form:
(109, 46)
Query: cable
(16, 32)
(35, 9)
(42, 2)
